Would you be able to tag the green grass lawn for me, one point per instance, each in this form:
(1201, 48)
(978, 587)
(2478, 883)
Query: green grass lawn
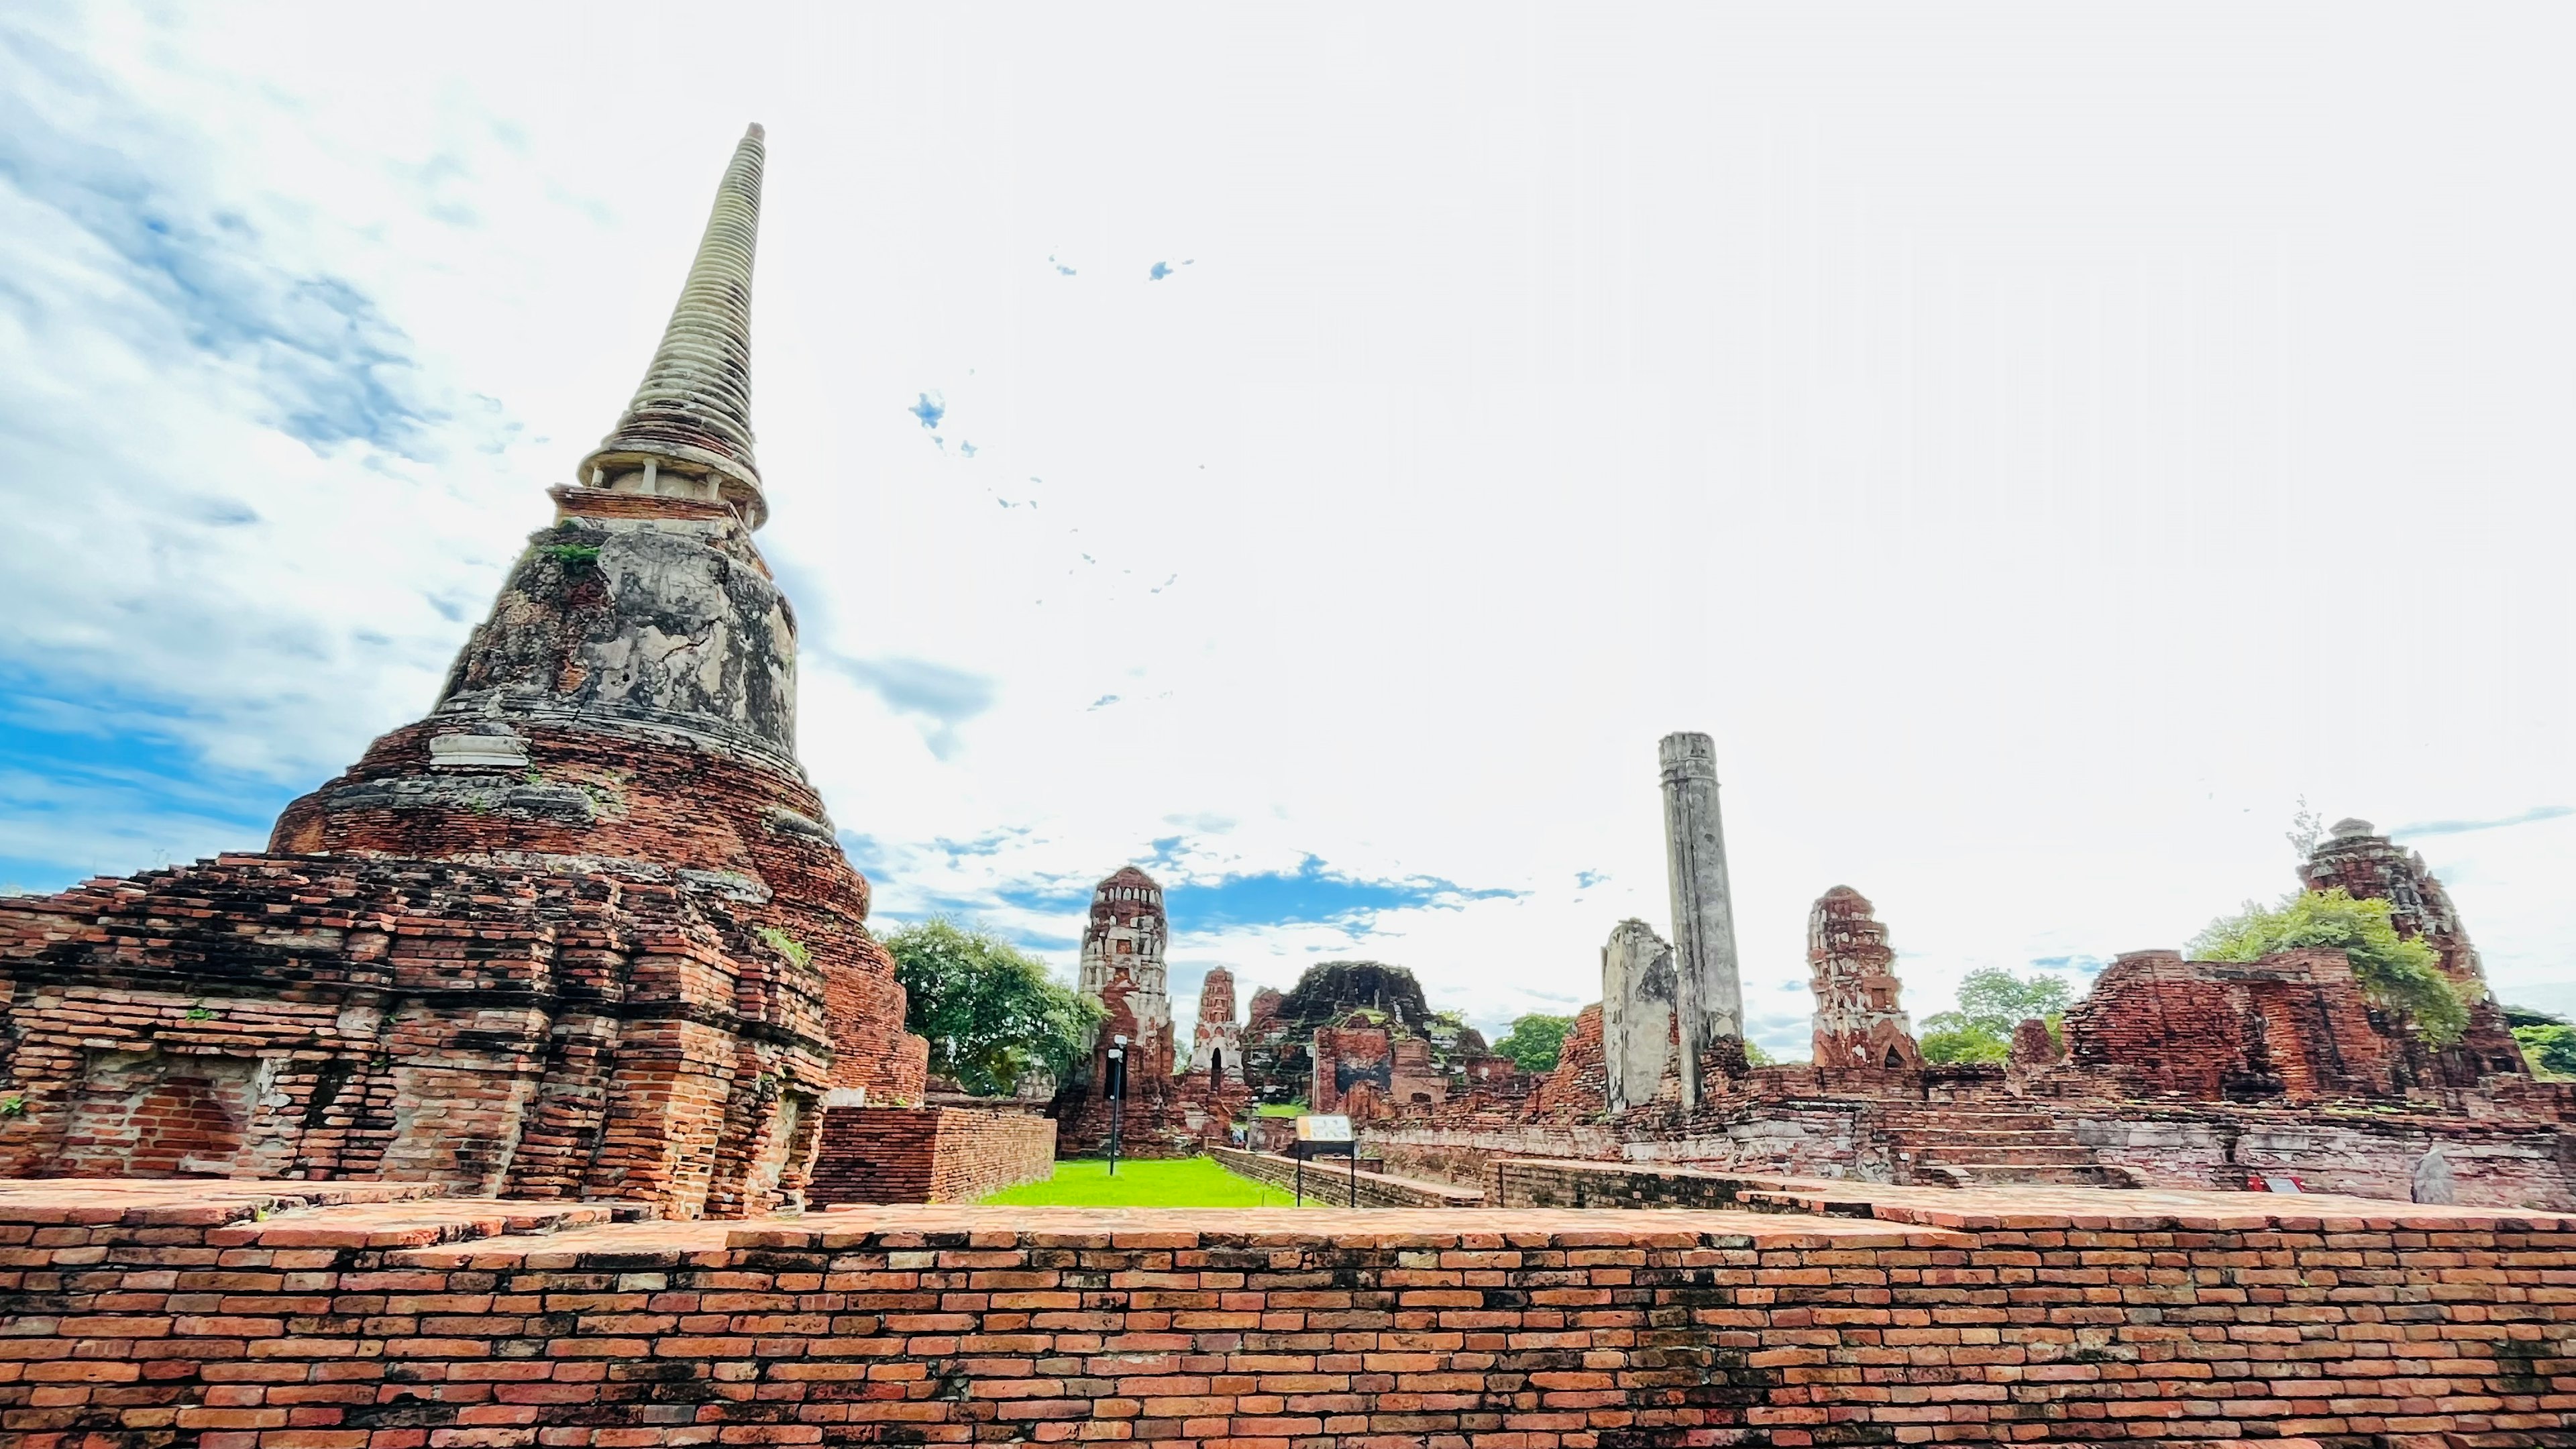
(1186, 1182)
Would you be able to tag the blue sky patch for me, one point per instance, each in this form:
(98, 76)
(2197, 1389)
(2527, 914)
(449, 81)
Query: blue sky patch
(105, 786)
(1310, 894)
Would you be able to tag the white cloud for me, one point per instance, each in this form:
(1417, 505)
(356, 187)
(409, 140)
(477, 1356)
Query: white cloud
(2039, 446)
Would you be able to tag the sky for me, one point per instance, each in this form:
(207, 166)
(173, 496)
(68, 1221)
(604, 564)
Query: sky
(1316, 452)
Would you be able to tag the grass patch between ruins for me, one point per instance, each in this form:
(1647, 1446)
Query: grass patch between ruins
(1184, 1182)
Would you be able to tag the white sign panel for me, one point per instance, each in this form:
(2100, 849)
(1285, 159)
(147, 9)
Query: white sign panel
(1313, 1128)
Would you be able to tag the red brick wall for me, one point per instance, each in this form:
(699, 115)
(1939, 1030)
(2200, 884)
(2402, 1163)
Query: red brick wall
(616, 801)
(928, 1155)
(2292, 1026)
(1509, 1329)
(478, 1027)
(2493, 1164)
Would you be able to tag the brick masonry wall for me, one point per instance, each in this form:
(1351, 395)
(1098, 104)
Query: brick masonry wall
(1328, 1180)
(1542, 1183)
(1810, 1138)
(928, 1155)
(1458, 1155)
(407, 1326)
(599, 800)
(2374, 1155)
(483, 1028)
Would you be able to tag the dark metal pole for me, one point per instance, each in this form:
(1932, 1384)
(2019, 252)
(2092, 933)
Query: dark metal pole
(1355, 1170)
(1117, 1090)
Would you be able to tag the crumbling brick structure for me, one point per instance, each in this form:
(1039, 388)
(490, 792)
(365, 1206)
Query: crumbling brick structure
(1852, 970)
(2368, 866)
(1216, 1042)
(2292, 1026)
(583, 931)
(1367, 1067)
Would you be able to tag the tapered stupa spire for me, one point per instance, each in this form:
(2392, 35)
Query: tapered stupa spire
(688, 431)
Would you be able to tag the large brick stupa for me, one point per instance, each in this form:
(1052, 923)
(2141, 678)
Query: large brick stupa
(584, 930)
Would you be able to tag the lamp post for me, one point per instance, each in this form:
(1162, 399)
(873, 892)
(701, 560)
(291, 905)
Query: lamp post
(1117, 1089)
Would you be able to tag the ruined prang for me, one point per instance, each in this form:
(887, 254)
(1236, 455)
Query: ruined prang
(1852, 970)
(1216, 1045)
(1706, 995)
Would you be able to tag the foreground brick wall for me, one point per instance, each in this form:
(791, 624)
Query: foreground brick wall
(928, 1155)
(390, 1327)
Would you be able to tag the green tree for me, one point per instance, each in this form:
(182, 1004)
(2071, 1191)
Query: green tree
(2551, 1050)
(1535, 1041)
(2401, 975)
(989, 1011)
(1992, 1001)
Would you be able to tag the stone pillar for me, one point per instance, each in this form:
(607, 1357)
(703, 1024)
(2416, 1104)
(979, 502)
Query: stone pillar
(1636, 1013)
(1706, 994)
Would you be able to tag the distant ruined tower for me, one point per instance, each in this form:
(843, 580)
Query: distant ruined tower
(1707, 997)
(2369, 866)
(1216, 1045)
(1122, 969)
(1858, 1025)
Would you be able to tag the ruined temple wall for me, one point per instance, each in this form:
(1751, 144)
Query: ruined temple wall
(1577, 1087)
(486, 1030)
(1828, 1138)
(928, 1155)
(2491, 1165)
(663, 809)
(1459, 1154)
(2293, 1026)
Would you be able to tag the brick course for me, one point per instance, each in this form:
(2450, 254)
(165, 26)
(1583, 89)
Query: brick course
(403, 1325)
(927, 1155)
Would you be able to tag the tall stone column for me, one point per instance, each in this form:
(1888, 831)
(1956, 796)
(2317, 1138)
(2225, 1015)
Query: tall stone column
(1706, 993)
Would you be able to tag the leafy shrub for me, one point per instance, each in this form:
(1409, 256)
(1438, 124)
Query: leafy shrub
(990, 1012)
(2400, 974)
(787, 945)
(2551, 1050)
(1535, 1041)
(1992, 1001)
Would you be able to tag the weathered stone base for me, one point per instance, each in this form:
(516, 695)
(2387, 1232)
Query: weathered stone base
(927, 1155)
(2529, 1162)
(149, 1313)
(2372, 1154)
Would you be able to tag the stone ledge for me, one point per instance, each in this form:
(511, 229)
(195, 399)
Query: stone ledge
(2021, 1208)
